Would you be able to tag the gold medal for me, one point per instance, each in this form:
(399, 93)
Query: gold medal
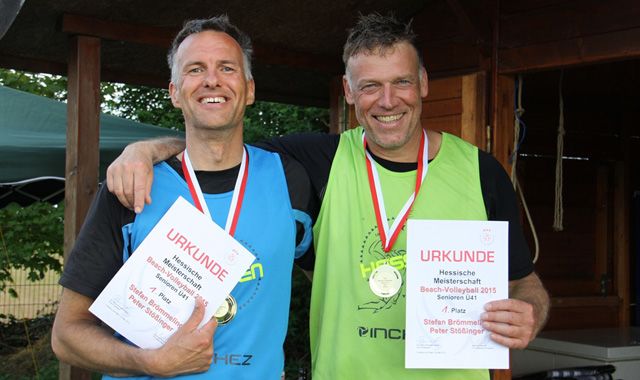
(385, 281)
(227, 310)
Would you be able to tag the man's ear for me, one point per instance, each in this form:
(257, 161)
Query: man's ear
(424, 82)
(348, 94)
(251, 92)
(173, 94)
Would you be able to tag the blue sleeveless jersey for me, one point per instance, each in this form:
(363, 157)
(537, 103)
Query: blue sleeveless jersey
(250, 346)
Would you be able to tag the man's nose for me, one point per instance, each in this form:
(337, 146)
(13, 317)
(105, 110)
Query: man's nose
(387, 97)
(211, 78)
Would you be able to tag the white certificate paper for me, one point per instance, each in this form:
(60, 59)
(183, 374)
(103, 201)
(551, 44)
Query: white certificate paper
(185, 255)
(453, 269)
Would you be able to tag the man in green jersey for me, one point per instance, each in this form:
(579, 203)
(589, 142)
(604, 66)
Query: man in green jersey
(356, 332)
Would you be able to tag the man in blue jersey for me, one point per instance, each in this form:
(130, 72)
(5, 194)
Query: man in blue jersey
(211, 83)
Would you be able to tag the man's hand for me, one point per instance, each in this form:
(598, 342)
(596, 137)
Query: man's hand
(130, 176)
(189, 350)
(510, 322)
(516, 321)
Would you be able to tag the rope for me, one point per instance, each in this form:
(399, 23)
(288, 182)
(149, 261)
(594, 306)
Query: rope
(519, 111)
(558, 215)
(518, 138)
(536, 243)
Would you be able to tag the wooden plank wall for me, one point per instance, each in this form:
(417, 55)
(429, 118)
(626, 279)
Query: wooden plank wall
(456, 105)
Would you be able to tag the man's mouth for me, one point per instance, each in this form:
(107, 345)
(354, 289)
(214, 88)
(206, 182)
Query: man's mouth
(216, 99)
(388, 118)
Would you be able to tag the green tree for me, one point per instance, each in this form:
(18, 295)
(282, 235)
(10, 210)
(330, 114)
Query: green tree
(51, 86)
(262, 120)
(32, 239)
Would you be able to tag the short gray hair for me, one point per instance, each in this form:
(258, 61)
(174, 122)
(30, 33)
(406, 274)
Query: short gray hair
(218, 24)
(375, 33)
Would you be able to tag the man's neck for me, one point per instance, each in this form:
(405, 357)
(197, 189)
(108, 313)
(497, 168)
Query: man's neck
(213, 154)
(409, 152)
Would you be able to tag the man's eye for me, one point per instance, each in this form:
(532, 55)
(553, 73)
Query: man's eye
(228, 69)
(369, 87)
(196, 70)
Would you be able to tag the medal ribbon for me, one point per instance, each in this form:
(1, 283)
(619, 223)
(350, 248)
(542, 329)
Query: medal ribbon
(238, 190)
(378, 200)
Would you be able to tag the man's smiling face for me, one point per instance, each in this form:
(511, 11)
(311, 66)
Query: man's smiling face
(387, 90)
(212, 90)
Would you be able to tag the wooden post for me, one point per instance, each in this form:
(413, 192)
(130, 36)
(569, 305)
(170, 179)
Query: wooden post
(622, 224)
(342, 116)
(82, 157)
(336, 105)
(473, 117)
(503, 131)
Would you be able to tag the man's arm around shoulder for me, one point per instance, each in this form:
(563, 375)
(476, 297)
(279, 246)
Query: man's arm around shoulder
(130, 175)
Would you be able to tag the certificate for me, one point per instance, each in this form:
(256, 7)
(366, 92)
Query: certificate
(185, 255)
(453, 269)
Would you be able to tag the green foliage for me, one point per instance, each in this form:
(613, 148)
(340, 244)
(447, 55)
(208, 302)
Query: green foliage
(140, 103)
(296, 346)
(265, 120)
(33, 241)
(262, 120)
(51, 86)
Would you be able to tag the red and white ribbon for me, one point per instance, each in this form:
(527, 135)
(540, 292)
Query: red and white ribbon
(238, 190)
(389, 236)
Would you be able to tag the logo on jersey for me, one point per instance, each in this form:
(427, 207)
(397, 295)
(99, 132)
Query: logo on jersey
(381, 333)
(232, 359)
(372, 256)
(249, 284)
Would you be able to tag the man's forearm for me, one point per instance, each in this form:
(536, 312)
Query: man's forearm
(93, 347)
(160, 149)
(530, 289)
(79, 339)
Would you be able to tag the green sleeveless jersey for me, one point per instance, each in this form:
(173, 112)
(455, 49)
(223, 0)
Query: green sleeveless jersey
(354, 333)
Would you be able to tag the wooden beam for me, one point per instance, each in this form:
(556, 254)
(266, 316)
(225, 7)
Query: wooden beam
(614, 46)
(82, 157)
(163, 36)
(558, 20)
(450, 57)
(33, 65)
(465, 22)
(275, 55)
(117, 31)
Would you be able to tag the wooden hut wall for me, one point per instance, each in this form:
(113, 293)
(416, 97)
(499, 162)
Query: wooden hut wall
(580, 264)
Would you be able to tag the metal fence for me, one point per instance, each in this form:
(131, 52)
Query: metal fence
(34, 298)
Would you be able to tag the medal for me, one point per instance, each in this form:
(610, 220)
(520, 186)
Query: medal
(385, 281)
(227, 310)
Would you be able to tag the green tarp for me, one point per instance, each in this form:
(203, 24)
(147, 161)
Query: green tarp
(33, 140)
